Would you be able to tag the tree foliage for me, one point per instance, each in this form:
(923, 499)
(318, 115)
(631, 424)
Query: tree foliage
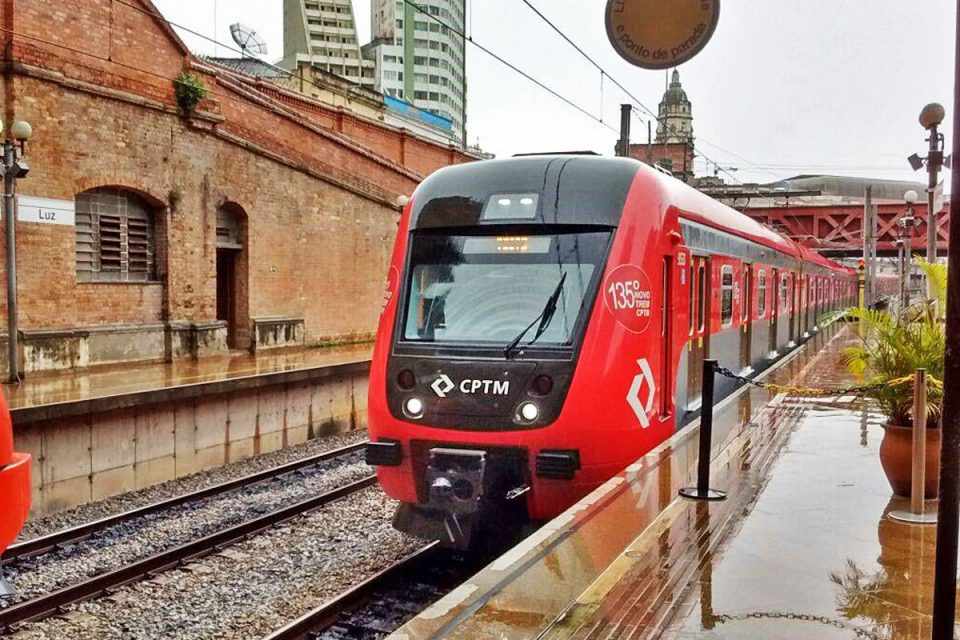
(893, 348)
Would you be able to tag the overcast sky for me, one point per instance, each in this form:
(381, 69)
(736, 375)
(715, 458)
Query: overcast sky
(784, 87)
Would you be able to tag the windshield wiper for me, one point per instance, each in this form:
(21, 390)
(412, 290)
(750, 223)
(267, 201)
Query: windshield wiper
(544, 319)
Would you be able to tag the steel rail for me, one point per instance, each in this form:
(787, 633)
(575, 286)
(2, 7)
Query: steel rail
(51, 603)
(326, 614)
(42, 544)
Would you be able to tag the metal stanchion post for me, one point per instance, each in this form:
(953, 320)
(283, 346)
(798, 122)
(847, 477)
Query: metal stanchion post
(918, 480)
(703, 491)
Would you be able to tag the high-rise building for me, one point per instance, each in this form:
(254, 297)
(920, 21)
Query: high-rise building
(323, 33)
(419, 57)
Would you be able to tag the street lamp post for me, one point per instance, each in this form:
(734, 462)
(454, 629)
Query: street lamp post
(905, 245)
(901, 272)
(13, 168)
(930, 119)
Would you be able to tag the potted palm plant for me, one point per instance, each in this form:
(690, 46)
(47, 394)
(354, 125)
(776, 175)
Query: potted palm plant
(890, 349)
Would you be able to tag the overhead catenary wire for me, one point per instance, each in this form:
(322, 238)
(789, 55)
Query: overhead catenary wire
(626, 91)
(583, 53)
(510, 65)
(468, 38)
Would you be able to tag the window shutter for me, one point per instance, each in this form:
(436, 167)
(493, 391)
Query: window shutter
(114, 237)
(86, 254)
(139, 248)
(111, 244)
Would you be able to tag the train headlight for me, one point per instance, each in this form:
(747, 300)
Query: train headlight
(529, 412)
(413, 407)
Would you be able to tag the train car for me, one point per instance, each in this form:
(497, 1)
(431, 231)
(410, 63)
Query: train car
(545, 324)
(14, 483)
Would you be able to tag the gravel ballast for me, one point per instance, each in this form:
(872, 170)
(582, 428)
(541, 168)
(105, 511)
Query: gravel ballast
(44, 525)
(147, 535)
(250, 589)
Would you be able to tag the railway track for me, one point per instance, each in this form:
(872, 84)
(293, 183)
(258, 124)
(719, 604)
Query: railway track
(51, 603)
(73, 535)
(381, 604)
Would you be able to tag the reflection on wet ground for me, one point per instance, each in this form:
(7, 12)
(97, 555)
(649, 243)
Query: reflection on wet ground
(816, 556)
(618, 564)
(73, 386)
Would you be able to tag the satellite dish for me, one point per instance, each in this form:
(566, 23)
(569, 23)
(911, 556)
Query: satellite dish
(248, 40)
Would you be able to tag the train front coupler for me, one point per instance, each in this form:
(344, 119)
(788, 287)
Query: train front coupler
(459, 501)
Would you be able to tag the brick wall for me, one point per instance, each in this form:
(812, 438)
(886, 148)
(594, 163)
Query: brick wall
(318, 201)
(678, 156)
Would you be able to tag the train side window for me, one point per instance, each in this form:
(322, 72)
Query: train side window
(701, 297)
(726, 295)
(784, 291)
(761, 292)
(692, 297)
(746, 296)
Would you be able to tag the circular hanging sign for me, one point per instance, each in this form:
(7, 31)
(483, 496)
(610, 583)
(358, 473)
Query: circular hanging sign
(659, 34)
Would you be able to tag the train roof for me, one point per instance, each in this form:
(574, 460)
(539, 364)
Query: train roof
(698, 207)
(581, 189)
(810, 255)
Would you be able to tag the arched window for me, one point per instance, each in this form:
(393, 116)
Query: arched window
(116, 239)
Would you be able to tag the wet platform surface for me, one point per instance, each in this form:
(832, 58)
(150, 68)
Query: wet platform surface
(39, 390)
(801, 549)
(817, 556)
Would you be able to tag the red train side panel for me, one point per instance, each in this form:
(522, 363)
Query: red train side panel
(14, 482)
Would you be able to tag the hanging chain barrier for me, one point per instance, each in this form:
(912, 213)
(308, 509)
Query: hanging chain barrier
(859, 632)
(813, 392)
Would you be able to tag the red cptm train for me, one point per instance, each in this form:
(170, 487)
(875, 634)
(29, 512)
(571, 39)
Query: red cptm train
(14, 483)
(545, 325)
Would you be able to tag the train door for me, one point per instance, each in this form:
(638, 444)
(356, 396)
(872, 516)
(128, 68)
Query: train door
(666, 337)
(794, 306)
(746, 324)
(817, 301)
(801, 307)
(774, 309)
(699, 327)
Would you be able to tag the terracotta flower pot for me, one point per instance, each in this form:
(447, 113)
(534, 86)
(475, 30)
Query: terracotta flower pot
(896, 453)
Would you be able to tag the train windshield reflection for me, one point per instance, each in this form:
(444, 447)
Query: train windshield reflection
(487, 289)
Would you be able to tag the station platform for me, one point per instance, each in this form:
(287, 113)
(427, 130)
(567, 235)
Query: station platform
(101, 432)
(58, 394)
(802, 548)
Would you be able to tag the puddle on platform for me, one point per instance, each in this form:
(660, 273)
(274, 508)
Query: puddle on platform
(71, 386)
(817, 556)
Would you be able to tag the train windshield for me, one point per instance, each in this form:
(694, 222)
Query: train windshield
(488, 289)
